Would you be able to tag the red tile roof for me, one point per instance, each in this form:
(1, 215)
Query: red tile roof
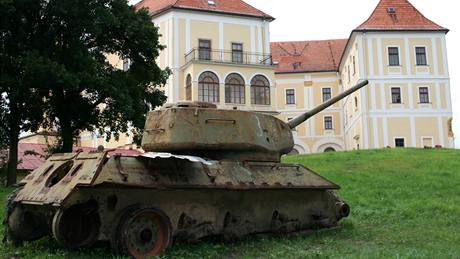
(29, 161)
(32, 156)
(238, 7)
(404, 17)
(308, 56)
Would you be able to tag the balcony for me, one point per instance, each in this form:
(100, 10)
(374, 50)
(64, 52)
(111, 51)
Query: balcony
(228, 57)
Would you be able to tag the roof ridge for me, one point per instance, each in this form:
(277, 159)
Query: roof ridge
(285, 50)
(370, 16)
(294, 47)
(332, 54)
(305, 47)
(417, 10)
(173, 4)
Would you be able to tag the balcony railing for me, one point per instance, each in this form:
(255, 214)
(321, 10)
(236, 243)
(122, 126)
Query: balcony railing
(228, 56)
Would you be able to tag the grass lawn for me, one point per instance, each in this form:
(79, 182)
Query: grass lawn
(405, 204)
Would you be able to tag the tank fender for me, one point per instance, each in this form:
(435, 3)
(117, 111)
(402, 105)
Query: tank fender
(59, 176)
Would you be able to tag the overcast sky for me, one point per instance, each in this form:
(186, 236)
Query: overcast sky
(335, 19)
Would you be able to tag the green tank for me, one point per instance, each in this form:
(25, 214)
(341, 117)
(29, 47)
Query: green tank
(206, 172)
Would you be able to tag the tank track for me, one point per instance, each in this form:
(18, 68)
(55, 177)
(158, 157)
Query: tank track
(198, 213)
(7, 234)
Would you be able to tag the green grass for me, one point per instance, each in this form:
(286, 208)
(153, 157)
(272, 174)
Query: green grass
(405, 204)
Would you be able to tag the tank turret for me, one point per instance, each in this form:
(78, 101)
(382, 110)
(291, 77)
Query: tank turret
(201, 129)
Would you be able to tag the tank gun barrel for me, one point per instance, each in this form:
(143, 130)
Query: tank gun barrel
(307, 115)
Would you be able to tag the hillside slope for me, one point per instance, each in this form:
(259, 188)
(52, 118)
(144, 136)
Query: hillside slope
(405, 203)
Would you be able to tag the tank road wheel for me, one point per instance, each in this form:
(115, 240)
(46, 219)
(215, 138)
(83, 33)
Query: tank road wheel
(77, 226)
(142, 233)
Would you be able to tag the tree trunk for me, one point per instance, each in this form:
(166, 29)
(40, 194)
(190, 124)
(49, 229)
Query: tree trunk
(67, 138)
(11, 173)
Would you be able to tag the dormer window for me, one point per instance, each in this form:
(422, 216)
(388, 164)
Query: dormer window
(211, 2)
(391, 10)
(297, 65)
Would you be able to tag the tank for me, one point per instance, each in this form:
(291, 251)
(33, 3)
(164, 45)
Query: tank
(206, 172)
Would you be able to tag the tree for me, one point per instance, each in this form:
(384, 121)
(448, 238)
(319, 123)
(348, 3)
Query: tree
(55, 73)
(3, 132)
(85, 91)
(20, 102)
(3, 142)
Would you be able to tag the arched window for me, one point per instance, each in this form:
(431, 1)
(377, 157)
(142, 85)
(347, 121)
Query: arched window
(208, 87)
(234, 89)
(188, 88)
(293, 152)
(329, 149)
(260, 90)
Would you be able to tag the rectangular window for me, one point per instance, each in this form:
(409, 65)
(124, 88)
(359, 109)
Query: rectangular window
(424, 95)
(328, 122)
(237, 52)
(393, 56)
(396, 95)
(420, 53)
(354, 65)
(290, 96)
(327, 95)
(400, 142)
(204, 49)
(427, 142)
(349, 75)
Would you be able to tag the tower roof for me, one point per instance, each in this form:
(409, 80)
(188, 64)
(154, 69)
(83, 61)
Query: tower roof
(398, 15)
(237, 7)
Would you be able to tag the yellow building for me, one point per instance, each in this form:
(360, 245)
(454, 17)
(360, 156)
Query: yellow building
(408, 102)
(306, 76)
(219, 51)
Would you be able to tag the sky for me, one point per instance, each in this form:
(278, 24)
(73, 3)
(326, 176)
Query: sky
(335, 19)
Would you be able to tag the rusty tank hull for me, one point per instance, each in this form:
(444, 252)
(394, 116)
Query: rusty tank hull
(87, 197)
(207, 172)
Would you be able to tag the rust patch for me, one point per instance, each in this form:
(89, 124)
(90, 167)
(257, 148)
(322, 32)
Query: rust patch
(120, 169)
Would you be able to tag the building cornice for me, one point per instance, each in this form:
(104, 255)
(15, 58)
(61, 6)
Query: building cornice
(171, 8)
(307, 72)
(400, 30)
